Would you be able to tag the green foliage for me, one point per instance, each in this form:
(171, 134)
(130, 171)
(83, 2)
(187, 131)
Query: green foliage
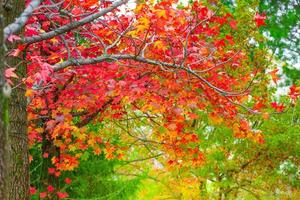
(293, 75)
(283, 139)
(96, 179)
(282, 27)
(243, 168)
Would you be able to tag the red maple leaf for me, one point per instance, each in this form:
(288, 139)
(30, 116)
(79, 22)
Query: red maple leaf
(62, 195)
(260, 19)
(50, 188)
(32, 190)
(233, 24)
(68, 181)
(43, 195)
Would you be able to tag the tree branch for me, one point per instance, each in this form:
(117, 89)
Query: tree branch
(115, 57)
(89, 118)
(73, 25)
(20, 21)
(143, 159)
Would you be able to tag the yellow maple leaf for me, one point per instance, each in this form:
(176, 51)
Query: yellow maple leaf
(91, 142)
(215, 119)
(72, 147)
(58, 143)
(29, 93)
(81, 136)
(266, 116)
(61, 61)
(139, 7)
(39, 130)
(159, 45)
(144, 20)
(54, 40)
(161, 14)
(78, 155)
(140, 28)
(143, 24)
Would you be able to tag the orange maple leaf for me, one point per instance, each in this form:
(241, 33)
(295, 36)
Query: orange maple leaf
(274, 75)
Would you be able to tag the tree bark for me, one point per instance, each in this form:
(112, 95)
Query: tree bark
(14, 165)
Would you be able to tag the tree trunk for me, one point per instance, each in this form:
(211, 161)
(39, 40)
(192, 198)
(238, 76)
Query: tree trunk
(14, 169)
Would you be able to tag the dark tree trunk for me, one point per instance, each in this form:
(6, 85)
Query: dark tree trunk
(14, 170)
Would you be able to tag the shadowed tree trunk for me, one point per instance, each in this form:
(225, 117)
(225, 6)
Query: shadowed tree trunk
(14, 174)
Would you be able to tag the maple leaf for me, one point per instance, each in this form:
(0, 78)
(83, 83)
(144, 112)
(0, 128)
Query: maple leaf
(10, 73)
(140, 7)
(120, 156)
(244, 125)
(32, 190)
(51, 170)
(45, 155)
(29, 93)
(68, 181)
(62, 195)
(259, 138)
(161, 14)
(57, 173)
(141, 27)
(43, 195)
(266, 116)
(260, 19)
(50, 188)
(172, 126)
(274, 75)
(90, 3)
(54, 40)
(76, 11)
(202, 12)
(193, 116)
(215, 118)
(220, 43)
(229, 38)
(171, 162)
(13, 38)
(294, 92)
(159, 45)
(145, 21)
(15, 53)
(30, 31)
(258, 105)
(45, 73)
(233, 24)
(30, 158)
(97, 151)
(277, 107)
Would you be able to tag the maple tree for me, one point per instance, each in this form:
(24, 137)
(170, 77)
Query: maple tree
(95, 68)
(237, 168)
